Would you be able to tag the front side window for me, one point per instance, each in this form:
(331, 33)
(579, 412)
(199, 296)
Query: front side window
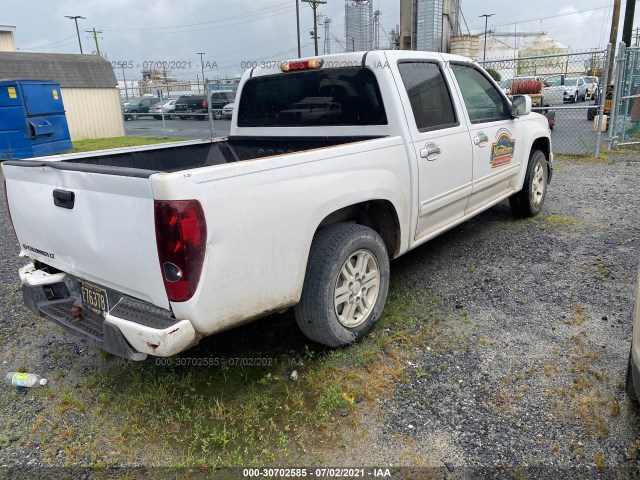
(428, 94)
(332, 97)
(484, 102)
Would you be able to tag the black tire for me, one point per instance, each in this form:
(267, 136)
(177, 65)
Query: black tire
(134, 115)
(629, 385)
(171, 116)
(182, 117)
(575, 98)
(200, 117)
(528, 202)
(318, 314)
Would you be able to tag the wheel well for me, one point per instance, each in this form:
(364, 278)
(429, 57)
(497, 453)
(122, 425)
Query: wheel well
(542, 144)
(379, 215)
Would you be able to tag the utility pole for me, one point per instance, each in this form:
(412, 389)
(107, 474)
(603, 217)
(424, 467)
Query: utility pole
(75, 18)
(95, 38)
(298, 25)
(314, 5)
(202, 66)
(486, 19)
(124, 79)
(627, 28)
(613, 37)
(327, 36)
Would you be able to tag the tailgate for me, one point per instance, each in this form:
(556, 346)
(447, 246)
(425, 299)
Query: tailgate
(105, 234)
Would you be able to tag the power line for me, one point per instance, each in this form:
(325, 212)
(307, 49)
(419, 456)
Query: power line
(57, 42)
(546, 17)
(277, 7)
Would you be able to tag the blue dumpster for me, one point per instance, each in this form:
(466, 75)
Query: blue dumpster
(32, 119)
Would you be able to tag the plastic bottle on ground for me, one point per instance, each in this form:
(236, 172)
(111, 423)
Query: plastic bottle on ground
(18, 379)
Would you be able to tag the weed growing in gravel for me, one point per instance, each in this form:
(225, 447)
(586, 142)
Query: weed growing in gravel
(586, 399)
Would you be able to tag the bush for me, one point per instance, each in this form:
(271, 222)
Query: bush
(495, 75)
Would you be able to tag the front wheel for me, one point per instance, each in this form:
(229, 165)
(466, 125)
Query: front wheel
(345, 286)
(528, 201)
(134, 116)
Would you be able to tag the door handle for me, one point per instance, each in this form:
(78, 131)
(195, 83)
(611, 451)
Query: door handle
(64, 199)
(430, 151)
(480, 139)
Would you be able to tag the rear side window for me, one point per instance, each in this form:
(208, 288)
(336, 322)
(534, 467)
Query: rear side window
(428, 94)
(341, 96)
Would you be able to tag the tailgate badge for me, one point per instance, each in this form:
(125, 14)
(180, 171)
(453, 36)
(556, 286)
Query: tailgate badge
(38, 251)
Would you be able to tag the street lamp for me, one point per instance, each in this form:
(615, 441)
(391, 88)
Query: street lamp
(486, 19)
(298, 24)
(202, 65)
(75, 18)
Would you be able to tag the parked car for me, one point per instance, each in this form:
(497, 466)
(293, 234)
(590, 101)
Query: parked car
(166, 107)
(148, 254)
(194, 106)
(133, 108)
(633, 367)
(575, 89)
(227, 111)
(553, 90)
(219, 99)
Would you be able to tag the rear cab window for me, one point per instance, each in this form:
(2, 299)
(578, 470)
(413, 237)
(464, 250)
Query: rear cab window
(331, 97)
(428, 94)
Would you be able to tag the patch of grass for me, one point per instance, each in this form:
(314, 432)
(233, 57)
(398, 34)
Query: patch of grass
(116, 142)
(587, 399)
(598, 459)
(231, 415)
(603, 271)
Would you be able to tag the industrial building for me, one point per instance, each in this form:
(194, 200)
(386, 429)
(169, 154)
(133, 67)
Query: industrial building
(87, 85)
(428, 25)
(359, 25)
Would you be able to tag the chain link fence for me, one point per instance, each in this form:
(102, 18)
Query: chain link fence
(564, 87)
(571, 97)
(185, 112)
(625, 121)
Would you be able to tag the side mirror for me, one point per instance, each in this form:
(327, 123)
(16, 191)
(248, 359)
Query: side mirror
(521, 105)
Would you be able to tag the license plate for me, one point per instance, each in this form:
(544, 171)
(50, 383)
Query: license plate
(94, 298)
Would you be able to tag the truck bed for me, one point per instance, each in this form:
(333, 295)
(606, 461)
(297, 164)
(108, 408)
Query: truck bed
(144, 161)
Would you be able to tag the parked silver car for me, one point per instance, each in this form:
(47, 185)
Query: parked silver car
(633, 371)
(166, 107)
(227, 111)
(575, 89)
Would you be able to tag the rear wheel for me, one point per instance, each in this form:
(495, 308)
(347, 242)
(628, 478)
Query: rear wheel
(528, 202)
(345, 286)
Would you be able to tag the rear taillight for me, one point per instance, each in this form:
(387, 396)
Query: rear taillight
(204, 104)
(181, 236)
(6, 202)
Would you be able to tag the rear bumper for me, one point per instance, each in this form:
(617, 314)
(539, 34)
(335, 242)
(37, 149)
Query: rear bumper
(131, 329)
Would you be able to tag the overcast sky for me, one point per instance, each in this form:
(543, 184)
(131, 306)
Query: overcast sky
(235, 32)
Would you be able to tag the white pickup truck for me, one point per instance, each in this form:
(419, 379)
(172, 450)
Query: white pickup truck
(146, 250)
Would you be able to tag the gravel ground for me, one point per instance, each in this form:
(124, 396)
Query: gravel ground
(521, 376)
(540, 312)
